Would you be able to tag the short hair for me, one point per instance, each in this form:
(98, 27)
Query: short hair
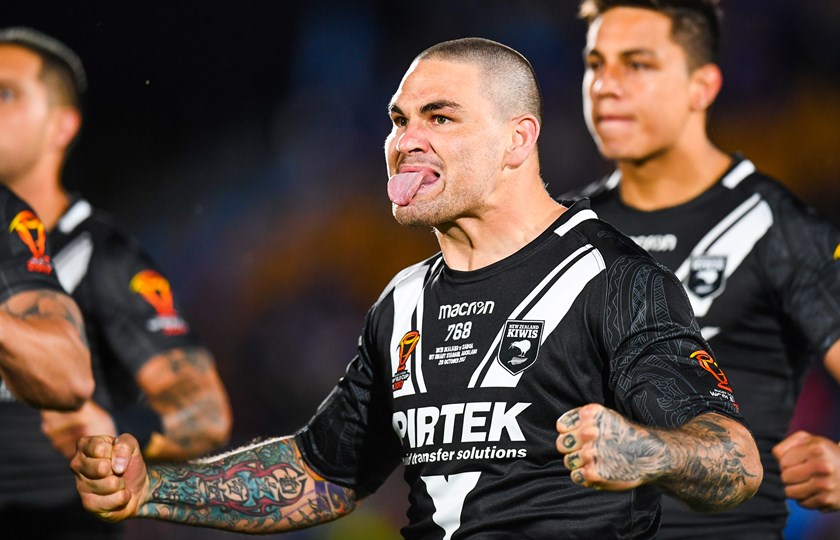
(61, 68)
(695, 24)
(509, 76)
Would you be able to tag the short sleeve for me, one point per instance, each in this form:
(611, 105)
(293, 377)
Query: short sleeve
(350, 440)
(662, 371)
(801, 258)
(25, 258)
(136, 307)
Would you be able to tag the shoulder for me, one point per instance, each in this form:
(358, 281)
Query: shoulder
(13, 208)
(92, 242)
(603, 187)
(415, 275)
(785, 209)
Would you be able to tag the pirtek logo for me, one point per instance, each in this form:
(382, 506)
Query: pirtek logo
(31, 231)
(422, 424)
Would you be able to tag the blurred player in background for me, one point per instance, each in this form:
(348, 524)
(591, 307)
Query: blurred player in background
(760, 267)
(153, 377)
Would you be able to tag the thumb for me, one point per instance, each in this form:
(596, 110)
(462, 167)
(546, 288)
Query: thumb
(790, 442)
(125, 447)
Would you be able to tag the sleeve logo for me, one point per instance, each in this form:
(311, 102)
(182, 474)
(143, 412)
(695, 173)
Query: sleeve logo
(154, 289)
(708, 363)
(31, 232)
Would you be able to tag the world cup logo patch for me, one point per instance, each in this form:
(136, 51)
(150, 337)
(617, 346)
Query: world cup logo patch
(30, 230)
(407, 345)
(520, 345)
(154, 289)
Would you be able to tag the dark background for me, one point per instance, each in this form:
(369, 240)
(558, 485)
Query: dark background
(242, 143)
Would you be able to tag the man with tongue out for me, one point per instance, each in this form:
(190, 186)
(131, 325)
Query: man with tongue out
(531, 311)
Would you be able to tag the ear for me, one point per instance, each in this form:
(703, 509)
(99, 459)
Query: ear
(66, 124)
(524, 135)
(706, 82)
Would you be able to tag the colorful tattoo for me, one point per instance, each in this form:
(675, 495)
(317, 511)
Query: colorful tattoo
(260, 488)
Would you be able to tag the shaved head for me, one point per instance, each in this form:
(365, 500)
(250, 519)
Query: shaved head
(509, 79)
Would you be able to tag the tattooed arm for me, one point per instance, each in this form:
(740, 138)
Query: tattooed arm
(711, 463)
(261, 488)
(183, 387)
(44, 357)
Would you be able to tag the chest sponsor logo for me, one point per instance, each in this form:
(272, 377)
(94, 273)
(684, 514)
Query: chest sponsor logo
(407, 345)
(154, 289)
(520, 345)
(30, 230)
(656, 242)
(706, 274)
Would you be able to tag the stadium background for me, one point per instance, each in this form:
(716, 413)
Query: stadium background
(242, 143)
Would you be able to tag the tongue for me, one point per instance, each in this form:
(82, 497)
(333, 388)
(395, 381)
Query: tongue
(402, 187)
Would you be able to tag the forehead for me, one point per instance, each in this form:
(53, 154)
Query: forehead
(19, 62)
(436, 80)
(625, 28)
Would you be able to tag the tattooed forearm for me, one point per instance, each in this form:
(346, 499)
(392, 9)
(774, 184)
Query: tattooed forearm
(184, 388)
(47, 304)
(261, 488)
(700, 463)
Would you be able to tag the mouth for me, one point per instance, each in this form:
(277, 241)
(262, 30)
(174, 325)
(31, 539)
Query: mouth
(403, 186)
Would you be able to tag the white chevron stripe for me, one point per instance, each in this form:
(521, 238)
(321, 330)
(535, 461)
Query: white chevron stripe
(71, 263)
(736, 175)
(408, 298)
(551, 309)
(744, 227)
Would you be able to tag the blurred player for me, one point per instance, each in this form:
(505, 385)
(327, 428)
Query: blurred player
(761, 268)
(152, 376)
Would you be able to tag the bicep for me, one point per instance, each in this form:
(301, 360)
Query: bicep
(44, 304)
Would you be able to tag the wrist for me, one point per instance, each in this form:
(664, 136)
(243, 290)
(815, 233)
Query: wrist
(139, 420)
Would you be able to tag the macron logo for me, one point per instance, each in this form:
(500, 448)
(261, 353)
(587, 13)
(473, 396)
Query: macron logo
(657, 242)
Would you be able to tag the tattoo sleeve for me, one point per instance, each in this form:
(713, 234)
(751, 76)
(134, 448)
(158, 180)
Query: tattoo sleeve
(260, 488)
(700, 463)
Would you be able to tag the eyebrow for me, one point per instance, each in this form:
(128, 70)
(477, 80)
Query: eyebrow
(427, 108)
(623, 54)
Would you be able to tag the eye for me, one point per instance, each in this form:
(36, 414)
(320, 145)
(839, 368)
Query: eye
(7, 94)
(399, 121)
(440, 120)
(593, 64)
(638, 66)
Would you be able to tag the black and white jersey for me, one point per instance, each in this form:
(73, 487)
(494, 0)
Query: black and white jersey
(461, 376)
(130, 316)
(25, 256)
(762, 273)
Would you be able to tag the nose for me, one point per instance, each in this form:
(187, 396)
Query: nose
(412, 140)
(606, 82)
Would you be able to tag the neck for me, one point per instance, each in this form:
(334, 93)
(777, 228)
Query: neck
(43, 192)
(673, 177)
(500, 230)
